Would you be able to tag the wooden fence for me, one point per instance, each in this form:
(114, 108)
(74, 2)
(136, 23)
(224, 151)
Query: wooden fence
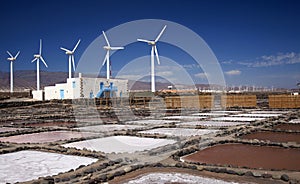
(284, 101)
(238, 101)
(202, 102)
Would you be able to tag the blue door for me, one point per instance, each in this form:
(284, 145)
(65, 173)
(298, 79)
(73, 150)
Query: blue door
(62, 94)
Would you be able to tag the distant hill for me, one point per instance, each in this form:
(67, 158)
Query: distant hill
(26, 79)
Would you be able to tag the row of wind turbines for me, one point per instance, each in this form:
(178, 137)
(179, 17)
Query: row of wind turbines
(38, 57)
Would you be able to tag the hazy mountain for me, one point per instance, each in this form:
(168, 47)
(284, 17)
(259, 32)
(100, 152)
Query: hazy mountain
(26, 79)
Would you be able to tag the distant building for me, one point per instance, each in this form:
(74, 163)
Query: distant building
(84, 87)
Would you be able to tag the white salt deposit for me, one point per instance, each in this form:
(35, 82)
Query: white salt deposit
(151, 122)
(185, 117)
(185, 132)
(28, 165)
(120, 144)
(210, 114)
(162, 178)
(44, 137)
(9, 129)
(269, 112)
(295, 121)
(212, 123)
(108, 128)
(236, 119)
(257, 115)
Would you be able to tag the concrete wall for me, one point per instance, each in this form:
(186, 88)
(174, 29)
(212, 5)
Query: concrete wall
(38, 95)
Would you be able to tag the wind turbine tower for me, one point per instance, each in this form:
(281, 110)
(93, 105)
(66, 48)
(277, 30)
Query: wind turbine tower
(108, 48)
(70, 53)
(12, 59)
(153, 50)
(37, 58)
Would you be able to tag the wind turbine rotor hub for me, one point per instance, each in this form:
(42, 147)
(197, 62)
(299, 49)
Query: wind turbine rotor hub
(107, 47)
(152, 43)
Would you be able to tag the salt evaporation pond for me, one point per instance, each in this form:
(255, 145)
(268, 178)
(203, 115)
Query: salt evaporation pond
(163, 178)
(185, 132)
(257, 115)
(120, 144)
(288, 126)
(151, 122)
(24, 166)
(273, 136)
(185, 117)
(296, 121)
(269, 112)
(244, 155)
(236, 119)
(212, 123)
(108, 128)
(9, 129)
(45, 137)
(210, 114)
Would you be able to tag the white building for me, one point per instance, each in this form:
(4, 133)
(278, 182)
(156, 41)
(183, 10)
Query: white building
(84, 87)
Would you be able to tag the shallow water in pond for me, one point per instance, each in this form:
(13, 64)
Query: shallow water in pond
(273, 136)
(288, 126)
(251, 156)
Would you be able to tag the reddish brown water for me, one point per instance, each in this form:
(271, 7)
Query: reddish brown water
(288, 126)
(274, 136)
(249, 156)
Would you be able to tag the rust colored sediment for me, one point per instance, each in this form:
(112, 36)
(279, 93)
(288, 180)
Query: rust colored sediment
(274, 136)
(288, 126)
(250, 156)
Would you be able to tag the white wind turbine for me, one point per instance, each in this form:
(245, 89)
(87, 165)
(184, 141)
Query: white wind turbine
(106, 59)
(12, 59)
(37, 58)
(153, 49)
(71, 58)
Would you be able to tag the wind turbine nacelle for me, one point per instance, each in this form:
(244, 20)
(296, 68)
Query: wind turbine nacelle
(11, 59)
(69, 53)
(36, 55)
(151, 43)
(106, 48)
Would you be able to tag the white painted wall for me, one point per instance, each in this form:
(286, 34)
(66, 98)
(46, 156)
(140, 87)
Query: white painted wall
(72, 89)
(37, 95)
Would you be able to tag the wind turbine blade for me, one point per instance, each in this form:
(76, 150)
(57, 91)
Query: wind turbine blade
(105, 59)
(34, 60)
(73, 62)
(44, 61)
(156, 53)
(9, 54)
(40, 46)
(142, 40)
(117, 48)
(106, 38)
(162, 31)
(65, 49)
(17, 55)
(76, 45)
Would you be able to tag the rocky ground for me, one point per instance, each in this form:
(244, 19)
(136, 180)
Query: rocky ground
(27, 117)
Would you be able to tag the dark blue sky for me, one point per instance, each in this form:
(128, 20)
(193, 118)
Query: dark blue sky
(256, 42)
